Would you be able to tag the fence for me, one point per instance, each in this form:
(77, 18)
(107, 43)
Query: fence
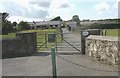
(47, 40)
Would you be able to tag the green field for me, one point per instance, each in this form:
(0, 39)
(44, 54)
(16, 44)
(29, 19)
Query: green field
(112, 32)
(10, 35)
(109, 32)
(42, 38)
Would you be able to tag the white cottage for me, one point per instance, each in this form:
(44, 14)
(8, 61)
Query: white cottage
(45, 24)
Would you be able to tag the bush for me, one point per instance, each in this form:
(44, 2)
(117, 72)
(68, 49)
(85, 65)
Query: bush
(7, 27)
(23, 26)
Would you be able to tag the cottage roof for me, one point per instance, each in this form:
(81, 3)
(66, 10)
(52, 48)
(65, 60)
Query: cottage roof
(47, 22)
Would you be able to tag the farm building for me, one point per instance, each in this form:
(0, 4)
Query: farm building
(71, 23)
(45, 24)
(51, 24)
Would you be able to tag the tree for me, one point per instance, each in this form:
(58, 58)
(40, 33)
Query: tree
(76, 19)
(6, 25)
(58, 18)
(5, 16)
(14, 23)
(23, 25)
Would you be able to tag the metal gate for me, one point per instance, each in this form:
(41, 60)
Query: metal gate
(70, 43)
(65, 42)
(41, 41)
(45, 41)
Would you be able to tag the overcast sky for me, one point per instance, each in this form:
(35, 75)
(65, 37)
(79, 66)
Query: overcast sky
(37, 10)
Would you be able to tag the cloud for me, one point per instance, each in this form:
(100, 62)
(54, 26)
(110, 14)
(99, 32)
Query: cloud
(119, 9)
(42, 4)
(25, 9)
(61, 8)
(48, 9)
(11, 8)
(101, 7)
(64, 6)
(116, 3)
(37, 9)
(19, 18)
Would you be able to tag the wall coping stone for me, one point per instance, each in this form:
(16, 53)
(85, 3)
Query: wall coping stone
(15, 38)
(107, 38)
(25, 32)
(90, 29)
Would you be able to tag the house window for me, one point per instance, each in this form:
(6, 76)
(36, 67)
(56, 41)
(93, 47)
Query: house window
(56, 25)
(51, 25)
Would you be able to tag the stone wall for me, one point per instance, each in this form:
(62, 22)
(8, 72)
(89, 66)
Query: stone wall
(86, 33)
(103, 48)
(24, 44)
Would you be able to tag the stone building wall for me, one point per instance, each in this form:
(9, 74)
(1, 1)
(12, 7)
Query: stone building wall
(103, 48)
(24, 44)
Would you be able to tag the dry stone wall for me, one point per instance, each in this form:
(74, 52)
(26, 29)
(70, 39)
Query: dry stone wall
(103, 48)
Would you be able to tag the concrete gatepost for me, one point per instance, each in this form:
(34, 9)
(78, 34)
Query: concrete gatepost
(30, 40)
(86, 33)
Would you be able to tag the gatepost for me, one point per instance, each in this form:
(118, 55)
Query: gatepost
(53, 55)
(86, 33)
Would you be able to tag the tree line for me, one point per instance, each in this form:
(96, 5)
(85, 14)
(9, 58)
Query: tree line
(8, 27)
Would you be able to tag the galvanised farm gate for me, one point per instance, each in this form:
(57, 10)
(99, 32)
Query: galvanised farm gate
(65, 42)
